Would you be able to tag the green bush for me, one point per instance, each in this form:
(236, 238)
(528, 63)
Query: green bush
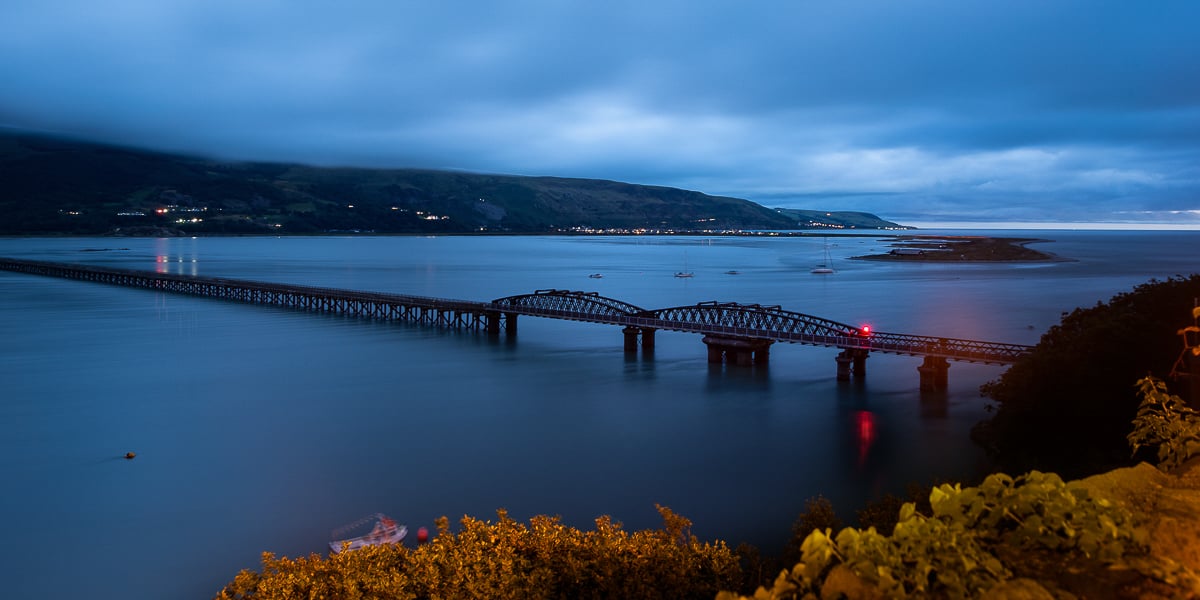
(1165, 422)
(975, 539)
(508, 559)
(818, 515)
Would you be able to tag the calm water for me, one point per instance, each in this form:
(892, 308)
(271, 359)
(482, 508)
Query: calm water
(260, 429)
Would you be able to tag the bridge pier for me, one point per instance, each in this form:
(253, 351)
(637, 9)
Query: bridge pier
(742, 352)
(631, 339)
(510, 323)
(935, 375)
(851, 362)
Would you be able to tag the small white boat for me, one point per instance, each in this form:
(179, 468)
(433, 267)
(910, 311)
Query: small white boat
(824, 268)
(685, 273)
(384, 531)
(596, 276)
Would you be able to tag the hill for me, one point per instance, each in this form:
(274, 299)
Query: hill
(56, 186)
(820, 219)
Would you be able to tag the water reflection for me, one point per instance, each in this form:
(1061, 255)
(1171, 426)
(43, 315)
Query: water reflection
(472, 422)
(738, 378)
(865, 430)
(934, 405)
(176, 261)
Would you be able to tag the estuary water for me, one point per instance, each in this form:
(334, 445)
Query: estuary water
(262, 429)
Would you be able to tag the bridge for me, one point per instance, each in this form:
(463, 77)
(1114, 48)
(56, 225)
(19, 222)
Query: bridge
(737, 334)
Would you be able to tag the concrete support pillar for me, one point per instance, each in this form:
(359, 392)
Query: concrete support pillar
(860, 364)
(492, 320)
(935, 375)
(631, 341)
(843, 366)
(510, 323)
(631, 334)
(851, 362)
(742, 352)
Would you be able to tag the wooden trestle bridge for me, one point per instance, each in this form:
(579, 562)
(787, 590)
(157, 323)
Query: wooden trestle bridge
(738, 334)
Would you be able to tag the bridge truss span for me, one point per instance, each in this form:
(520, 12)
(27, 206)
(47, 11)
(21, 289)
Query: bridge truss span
(566, 304)
(948, 348)
(457, 314)
(755, 320)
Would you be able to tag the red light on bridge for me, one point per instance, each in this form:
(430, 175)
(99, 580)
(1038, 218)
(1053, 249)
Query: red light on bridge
(865, 329)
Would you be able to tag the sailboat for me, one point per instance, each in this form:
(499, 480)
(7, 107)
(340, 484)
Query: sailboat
(824, 268)
(685, 272)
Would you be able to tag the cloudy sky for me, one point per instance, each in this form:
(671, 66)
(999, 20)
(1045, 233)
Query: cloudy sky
(916, 110)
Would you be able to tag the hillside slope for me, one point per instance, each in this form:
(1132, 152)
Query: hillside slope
(60, 186)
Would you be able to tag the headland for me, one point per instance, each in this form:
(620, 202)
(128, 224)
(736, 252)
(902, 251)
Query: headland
(953, 248)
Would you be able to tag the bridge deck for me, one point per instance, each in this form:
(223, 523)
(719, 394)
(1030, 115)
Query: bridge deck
(731, 320)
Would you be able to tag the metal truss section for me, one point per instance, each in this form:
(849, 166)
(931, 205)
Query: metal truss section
(566, 301)
(770, 320)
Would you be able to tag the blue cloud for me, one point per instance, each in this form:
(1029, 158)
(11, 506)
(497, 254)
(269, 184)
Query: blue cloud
(933, 108)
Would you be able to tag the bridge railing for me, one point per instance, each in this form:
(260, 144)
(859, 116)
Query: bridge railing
(892, 343)
(835, 334)
(247, 284)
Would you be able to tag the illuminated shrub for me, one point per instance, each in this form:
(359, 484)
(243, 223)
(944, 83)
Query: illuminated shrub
(1164, 421)
(1033, 526)
(508, 559)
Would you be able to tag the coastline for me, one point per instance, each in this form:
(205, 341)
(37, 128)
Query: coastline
(904, 248)
(955, 248)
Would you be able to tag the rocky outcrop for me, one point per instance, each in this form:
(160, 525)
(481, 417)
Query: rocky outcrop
(1166, 504)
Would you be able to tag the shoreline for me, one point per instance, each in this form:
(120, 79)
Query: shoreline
(908, 248)
(959, 249)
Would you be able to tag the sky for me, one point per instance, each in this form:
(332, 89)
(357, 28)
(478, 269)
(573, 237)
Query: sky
(946, 111)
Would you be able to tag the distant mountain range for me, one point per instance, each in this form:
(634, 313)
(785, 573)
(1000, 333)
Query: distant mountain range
(56, 186)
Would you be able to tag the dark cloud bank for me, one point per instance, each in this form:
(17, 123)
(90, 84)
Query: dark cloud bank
(928, 110)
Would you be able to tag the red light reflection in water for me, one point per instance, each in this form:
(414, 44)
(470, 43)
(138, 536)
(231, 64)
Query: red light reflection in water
(864, 427)
(160, 264)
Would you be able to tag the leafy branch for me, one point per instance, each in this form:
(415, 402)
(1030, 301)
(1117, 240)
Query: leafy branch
(1166, 421)
(956, 552)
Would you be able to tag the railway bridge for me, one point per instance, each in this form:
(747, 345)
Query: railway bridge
(736, 334)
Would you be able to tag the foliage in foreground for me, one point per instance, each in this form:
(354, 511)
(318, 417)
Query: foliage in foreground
(1165, 421)
(1067, 406)
(507, 559)
(1034, 526)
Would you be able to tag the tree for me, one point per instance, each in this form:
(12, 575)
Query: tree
(1068, 405)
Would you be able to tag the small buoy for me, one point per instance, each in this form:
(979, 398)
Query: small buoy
(422, 535)
(129, 455)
